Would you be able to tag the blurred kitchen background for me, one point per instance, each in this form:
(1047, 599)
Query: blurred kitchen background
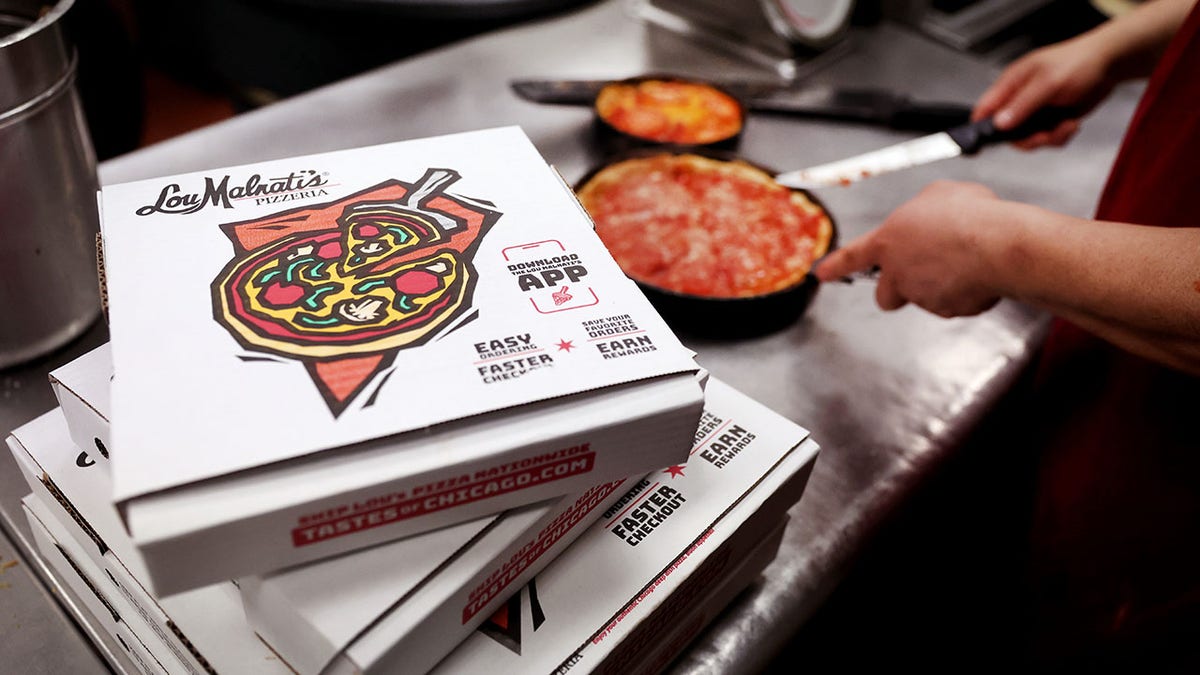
(151, 69)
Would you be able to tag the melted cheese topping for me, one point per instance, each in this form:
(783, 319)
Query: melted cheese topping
(707, 227)
(667, 111)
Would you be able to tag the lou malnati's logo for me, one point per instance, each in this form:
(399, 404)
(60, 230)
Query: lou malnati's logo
(343, 286)
(270, 190)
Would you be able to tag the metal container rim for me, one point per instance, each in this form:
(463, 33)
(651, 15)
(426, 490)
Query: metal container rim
(42, 22)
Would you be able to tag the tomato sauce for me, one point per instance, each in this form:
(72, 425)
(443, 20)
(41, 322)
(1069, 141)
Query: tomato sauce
(706, 227)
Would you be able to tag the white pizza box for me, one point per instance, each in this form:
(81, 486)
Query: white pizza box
(206, 628)
(88, 583)
(438, 311)
(644, 642)
(89, 422)
(135, 650)
(78, 489)
(748, 467)
(652, 643)
(80, 591)
(402, 606)
(82, 389)
(114, 654)
(76, 494)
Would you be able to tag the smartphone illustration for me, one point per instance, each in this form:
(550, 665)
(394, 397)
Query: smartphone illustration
(555, 280)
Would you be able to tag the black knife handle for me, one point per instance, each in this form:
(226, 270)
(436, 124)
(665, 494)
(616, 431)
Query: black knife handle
(929, 117)
(971, 137)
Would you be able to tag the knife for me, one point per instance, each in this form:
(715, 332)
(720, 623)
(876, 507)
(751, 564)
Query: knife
(962, 140)
(871, 106)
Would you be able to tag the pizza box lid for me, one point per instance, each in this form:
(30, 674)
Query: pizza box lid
(269, 311)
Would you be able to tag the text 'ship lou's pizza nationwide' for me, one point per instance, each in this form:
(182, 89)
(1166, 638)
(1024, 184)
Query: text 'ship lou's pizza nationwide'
(317, 354)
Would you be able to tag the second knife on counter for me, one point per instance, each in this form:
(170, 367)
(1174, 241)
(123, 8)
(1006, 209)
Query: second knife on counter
(869, 106)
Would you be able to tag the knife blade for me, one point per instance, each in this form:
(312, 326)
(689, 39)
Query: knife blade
(967, 139)
(871, 106)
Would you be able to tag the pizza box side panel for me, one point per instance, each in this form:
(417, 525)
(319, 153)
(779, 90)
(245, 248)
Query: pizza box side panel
(82, 388)
(619, 646)
(292, 636)
(708, 491)
(309, 612)
(44, 449)
(422, 631)
(126, 656)
(56, 471)
(80, 504)
(135, 649)
(301, 612)
(631, 653)
(658, 640)
(182, 625)
(301, 532)
(91, 421)
(214, 621)
(157, 635)
(775, 461)
(245, 405)
(564, 636)
(102, 588)
(89, 430)
(98, 605)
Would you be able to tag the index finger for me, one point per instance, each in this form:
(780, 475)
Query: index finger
(857, 255)
(1002, 91)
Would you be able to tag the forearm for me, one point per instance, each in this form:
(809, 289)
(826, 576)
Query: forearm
(1136, 286)
(1179, 353)
(1133, 43)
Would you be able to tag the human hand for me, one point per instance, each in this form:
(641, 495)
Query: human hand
(934, 251)
(1074, 74)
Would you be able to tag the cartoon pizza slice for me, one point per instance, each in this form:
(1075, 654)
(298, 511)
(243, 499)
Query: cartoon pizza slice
(344, 285)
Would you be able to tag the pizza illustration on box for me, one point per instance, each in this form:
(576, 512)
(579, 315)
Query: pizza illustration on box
(343, 286)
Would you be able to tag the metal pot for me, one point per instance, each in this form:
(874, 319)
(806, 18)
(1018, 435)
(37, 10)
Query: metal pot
(48, 216)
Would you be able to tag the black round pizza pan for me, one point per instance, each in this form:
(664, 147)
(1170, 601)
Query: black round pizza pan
(728, 317)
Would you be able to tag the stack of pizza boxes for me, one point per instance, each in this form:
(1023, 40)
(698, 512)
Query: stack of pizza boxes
(654, 559)
(354, 402)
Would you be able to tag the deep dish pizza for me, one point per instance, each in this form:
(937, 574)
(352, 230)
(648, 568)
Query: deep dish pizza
(702, 226)
(670, 111)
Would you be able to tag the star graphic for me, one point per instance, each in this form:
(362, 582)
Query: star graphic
(675, 471)
(565, 345)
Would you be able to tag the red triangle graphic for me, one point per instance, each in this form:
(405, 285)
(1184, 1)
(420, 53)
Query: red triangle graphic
(500, 618)
(343, 377)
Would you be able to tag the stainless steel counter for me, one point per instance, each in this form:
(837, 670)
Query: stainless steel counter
(888, 396)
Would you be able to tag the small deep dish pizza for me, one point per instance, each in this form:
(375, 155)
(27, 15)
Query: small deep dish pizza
(704, 235)
(671, 111)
